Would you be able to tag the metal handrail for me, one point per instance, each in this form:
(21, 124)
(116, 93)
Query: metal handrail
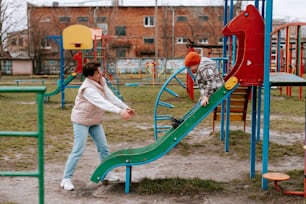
(39, 134)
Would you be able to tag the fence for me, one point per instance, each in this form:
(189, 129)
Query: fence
(39, 134)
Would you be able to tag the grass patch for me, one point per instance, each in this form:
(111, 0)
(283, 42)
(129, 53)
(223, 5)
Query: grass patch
(177, 186)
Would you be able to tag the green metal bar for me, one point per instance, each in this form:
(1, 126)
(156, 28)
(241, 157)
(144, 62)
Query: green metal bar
(19, 133)
(40, 126)
(19, 173)
(39, 134)
(18, 89)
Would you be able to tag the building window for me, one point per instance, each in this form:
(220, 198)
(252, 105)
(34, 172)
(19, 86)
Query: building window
(45, 20)
(13, 41)
(101, 19)
(203, 41)
(120, 30)
(181, 40)
(148, 40)
(82, 19)
(20, 42)
(181, 18)
(121, 52)
(220, 18)
(64, 19)
(45, 44)
(148, 21)
(104, 27)
(203, 18)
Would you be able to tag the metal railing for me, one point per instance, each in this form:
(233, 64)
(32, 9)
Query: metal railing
(39, 134)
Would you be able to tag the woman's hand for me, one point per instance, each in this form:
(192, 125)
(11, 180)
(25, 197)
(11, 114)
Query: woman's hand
(131, 111)
(125, 114)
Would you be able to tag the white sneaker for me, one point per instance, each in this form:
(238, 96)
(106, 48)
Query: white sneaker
(111, 177)
(67, 185)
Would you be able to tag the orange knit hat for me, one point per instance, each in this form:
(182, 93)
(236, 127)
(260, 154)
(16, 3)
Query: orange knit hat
(192, 58)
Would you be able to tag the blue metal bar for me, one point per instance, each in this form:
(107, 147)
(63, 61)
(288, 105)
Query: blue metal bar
(228, 104)
(128, 178)
(164, 117)
(191, 74)
(157, 101)
(180, 82)
(253, 133)
(59, 40)
(225, 38)
(227, 115)
(256, 4)
(164, 127)
(267, 63)
(263, 8)
(259, 113)
(171, 92)
(222, 135)
(165, 104)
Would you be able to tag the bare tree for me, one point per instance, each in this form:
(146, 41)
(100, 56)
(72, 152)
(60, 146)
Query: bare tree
(10, 20)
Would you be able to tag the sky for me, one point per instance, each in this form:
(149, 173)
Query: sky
(289, 10)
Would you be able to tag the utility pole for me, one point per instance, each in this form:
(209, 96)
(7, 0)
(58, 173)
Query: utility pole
(156, 30)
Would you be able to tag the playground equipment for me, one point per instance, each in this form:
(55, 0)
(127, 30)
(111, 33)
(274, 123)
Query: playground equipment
(74, 37)
(238, 109)
(287, 79)
(38, 134)
(80, 38)
(248, 72)
(248, 29)
(138, 156)
(288, 51)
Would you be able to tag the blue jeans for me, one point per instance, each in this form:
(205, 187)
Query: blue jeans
(80, 138)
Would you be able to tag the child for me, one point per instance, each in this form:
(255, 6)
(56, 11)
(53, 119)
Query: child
(208, 77)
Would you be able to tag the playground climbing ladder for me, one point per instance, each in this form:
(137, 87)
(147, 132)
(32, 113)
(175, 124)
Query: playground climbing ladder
(39, 134)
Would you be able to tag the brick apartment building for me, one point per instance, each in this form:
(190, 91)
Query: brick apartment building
(132, 30)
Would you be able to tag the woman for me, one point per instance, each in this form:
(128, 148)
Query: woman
(93, 99)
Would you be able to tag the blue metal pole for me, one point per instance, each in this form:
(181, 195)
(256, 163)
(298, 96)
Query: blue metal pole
(59, 40)
(263, 9)
(225, 38)
(253, 133)
(266, 125)
(259, 113)
(228, 101)
(256, 4)
(62, 70)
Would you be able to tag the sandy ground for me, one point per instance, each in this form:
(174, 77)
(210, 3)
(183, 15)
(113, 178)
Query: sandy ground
(205, 166)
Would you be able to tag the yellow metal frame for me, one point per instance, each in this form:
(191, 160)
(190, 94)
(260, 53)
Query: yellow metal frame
(77, 37)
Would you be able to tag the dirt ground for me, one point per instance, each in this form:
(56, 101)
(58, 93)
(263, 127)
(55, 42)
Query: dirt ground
(205, 166)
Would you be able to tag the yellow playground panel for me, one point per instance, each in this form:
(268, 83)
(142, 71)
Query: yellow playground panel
(77, 37)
